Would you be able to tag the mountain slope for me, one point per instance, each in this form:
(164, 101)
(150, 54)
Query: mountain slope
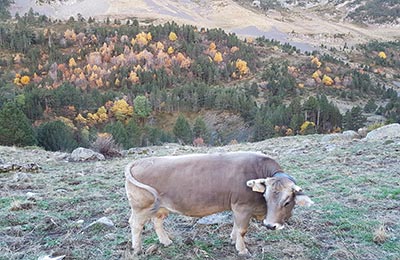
(311, 24)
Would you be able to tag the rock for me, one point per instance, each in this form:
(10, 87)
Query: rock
(103, 221)
(218, 218)
(345, 136)
(6, 167)
(144, 151)
(31, 195)
(49, 257)
(350, 134)
(83, 154)
(22, 177)
(30, 167)
(385, 132)
(60, 156)
(363, 132)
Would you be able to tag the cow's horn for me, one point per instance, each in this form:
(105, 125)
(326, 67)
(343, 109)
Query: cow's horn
(296, 188)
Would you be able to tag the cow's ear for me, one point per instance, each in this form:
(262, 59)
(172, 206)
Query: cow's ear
(303, 200)
(257, 185)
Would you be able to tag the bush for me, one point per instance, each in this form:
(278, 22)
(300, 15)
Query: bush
(106, 145)
(56, 136)
(15, 128)
(118, 133)
(182, 130)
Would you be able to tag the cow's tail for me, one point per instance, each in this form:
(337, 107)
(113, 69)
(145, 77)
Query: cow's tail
(129, 177)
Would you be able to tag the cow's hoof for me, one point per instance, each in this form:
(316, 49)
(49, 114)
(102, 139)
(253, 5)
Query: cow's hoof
(166, 242)
(245, 253)
(137, 251)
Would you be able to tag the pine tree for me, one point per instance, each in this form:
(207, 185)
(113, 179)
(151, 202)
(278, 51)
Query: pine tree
(142, 107)
(354, 119)
(263, 128)
(200, 130)
(182, 130)
(133, 134)
(118, 132)
(56, 136)
(15, 128)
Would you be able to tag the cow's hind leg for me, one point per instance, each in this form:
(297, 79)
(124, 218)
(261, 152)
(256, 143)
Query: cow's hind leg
(241, 218)
(162, 235)
(137, 221)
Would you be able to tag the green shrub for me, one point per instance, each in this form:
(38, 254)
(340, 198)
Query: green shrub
(56, 136)
(15, 128)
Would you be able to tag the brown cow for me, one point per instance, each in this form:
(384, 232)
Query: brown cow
(199, 185)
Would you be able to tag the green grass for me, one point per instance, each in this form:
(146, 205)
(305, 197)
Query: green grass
(352, 200)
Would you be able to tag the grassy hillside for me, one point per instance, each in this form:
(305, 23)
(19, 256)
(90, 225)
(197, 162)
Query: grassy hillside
(355, 186)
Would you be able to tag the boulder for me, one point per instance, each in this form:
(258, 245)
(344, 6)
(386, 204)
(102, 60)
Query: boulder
(385, 132)
(350, 135)
(345, 136)
(83, 154)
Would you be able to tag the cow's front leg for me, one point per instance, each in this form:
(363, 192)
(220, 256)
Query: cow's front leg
(241, 218)
(137, 222)
(162, 235)
(233, 234)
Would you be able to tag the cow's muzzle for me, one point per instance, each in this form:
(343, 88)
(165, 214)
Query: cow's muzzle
(273, 226)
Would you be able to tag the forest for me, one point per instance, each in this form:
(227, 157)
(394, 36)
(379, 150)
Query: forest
(73, 83)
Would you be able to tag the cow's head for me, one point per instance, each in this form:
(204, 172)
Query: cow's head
(281, 194)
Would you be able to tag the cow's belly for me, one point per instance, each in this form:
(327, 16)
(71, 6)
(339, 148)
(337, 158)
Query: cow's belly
(194, 206)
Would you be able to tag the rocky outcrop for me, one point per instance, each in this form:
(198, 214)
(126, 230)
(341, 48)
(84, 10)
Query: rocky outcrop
(30, 167)
(385, 132)
(83, 155)
(345, 136)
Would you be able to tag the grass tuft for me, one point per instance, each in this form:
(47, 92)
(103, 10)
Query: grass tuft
(380, 235)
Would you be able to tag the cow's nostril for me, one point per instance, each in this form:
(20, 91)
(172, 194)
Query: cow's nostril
(272, 227)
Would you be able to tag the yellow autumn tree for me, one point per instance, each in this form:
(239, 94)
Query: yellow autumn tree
(170, 50)
(80, 119)
(218, 57)
(241, 65)
(142, 39)
(172, 36)
(212, 46)
(317, 74)
(382, 55)
(25, 80)
(328, 81)
(159, 46)
(72, 63)
(307, 127)
(149, 37)
(133, 77)
(122, 110)
(102, 114)
(316, 61)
